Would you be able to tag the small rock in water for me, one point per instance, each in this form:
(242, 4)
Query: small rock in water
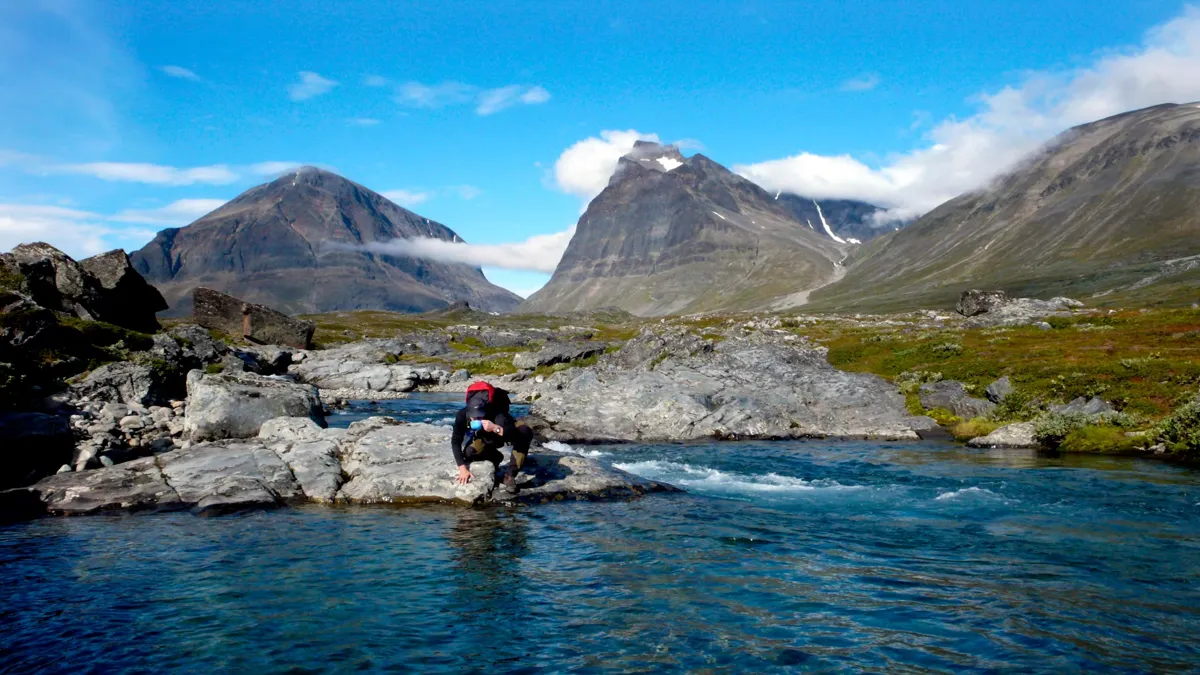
(106, 460)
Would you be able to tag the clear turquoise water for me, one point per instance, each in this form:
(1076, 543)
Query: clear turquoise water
(828, 557)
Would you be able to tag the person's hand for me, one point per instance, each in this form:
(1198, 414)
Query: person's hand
(492, 427)
(464, 475)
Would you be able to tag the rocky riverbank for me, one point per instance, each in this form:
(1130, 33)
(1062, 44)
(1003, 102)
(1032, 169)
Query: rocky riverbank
(293, 460)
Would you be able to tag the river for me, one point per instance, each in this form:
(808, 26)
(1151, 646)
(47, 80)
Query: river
(820, 556)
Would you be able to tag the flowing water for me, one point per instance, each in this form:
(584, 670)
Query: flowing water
(818, 556)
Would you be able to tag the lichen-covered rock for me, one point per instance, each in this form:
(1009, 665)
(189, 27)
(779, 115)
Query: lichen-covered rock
(367, 365)
(236, 406)
(997, 391)
(975, 302)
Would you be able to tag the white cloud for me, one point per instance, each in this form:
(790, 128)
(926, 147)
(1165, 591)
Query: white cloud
(539, 253)
(864, 82)
(412, 197)
(79, 234)
(964, 155)
(310, 85)
(585, 168)
(407, 197)
(465, 191)
(156, 174)
(273, 168)
(493, 101)
(180, 72)
(376, 81)
(180, 212)
(449, 93)
(433, 96)
(362, 121)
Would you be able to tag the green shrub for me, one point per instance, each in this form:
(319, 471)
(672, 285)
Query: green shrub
(910, 381)
(944, 417)
(1099, 439)
(965, 431)
(1053, 428)
(1181, 430)
(948, 349)
(214, 368)
(488, 366)
(1018, 406)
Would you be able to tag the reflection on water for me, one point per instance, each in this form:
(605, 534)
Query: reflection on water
(826, 556)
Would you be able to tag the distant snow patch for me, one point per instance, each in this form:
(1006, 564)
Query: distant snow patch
(810, 225)
(777, 195)
(852, 240)
(719, 216)
(826, 225)
(669, 163)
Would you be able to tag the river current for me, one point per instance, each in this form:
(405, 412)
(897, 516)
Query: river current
(814, 556)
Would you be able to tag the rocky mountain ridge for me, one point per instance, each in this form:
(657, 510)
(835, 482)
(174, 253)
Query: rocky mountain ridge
(301, 244)
(673, 234)
(1111, 207)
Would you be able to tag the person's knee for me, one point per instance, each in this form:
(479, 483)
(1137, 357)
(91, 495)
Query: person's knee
(524, 438)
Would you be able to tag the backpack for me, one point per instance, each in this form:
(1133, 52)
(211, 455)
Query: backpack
(496, 399)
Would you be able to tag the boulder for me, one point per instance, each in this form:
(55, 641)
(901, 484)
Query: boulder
(1019, 435)
(668, 385)
(55, 281)
(998, 390)
(952, 395)
(199, 347)
(236, 405)
(258, 323)
(32, 445)
(976, 302)
(384, 462)
(1093, 407)
(365, 366)
(128, 300)
(1024, 312)
(558, 352)
(124, 382)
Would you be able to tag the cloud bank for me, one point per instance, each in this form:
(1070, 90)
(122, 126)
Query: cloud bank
(585, 168)
(77, 233)
(179, 212)
(964, 155)
(539, 253)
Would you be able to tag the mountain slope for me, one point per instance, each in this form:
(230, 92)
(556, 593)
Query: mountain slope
(845, 219)
(1107, 207)
(291, 244)
(677, 235)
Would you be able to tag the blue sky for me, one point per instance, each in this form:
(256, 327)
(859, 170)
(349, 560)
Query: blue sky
(501, 119)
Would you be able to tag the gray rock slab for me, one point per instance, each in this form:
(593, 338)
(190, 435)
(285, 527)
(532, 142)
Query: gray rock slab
(1019, 435)
(557, 352)
(676, 386)
(952, 395)
(230, 475)
(315, 466)
(237, 405)
(998, 390)
(137, 485)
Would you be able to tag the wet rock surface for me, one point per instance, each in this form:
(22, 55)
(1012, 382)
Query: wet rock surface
(377, 461)
(672, 385)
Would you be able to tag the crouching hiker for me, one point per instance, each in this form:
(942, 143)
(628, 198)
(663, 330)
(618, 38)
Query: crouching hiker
(483, 427)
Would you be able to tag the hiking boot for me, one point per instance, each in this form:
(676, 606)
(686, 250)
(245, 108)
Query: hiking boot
(510, 484)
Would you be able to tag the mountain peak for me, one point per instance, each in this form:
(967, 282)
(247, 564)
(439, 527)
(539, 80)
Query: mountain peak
(655, 156)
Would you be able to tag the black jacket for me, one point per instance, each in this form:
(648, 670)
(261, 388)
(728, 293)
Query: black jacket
(462, 426)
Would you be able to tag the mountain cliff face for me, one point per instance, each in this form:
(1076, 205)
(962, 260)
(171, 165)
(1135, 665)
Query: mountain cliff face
(677, 235)
(844, 219)
(1107, 207)
(295, 244)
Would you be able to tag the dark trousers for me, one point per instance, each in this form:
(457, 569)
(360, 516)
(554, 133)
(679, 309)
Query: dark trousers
(480, 451)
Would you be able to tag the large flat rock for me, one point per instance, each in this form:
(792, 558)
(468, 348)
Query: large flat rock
(236, 405)
(673, 386)
(377, 461)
